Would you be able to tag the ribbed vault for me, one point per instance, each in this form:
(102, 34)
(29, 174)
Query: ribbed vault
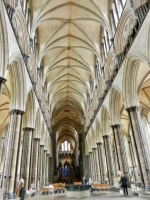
(68, 38)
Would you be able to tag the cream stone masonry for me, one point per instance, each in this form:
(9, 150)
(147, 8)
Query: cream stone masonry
(74, 92)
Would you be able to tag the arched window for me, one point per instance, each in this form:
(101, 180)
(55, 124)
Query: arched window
(117, 8)
(99, 69)
(65, 146)
(106, 44)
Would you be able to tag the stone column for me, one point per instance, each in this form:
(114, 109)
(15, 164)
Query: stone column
(120, 149)
(12, 151)
(123, 150)
(2, 159)
(87, 170)
(51, 178)
(2, 152)
(41, 164)
(53, 159)
(140, 142)
(34, 162)
(102, 161)
(93, 165)
(133, 161)
(77, 155)
(83, 149)
(28, 134)
(108, 153)
(46, 174)
(117, 146)
(2, 81)
(97, 166)
(44, 167)
(80, 155)
(116, 167)
(90, 165)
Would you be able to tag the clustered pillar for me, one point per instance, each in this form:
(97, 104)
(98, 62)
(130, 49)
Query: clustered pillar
(121, 153)
(26, 156)
(101, 161)
(109, 158)
(140, 142)
(12, 151)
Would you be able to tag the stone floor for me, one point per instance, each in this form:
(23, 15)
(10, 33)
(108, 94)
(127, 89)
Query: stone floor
(94, 196)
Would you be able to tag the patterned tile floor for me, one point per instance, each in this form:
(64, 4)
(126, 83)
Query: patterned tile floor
(94, 196)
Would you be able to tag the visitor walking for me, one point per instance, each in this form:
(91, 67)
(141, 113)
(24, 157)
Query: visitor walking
(124, 184)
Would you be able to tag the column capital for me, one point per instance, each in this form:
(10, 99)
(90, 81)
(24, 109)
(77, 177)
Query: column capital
(2, 80)
(116, 126)
(106, 136)
(28, 129)
(99, 143)
(133, 108)
(17, 112)
(37, 139)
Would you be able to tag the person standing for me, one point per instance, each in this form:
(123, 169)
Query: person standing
(83, 181)
(124, 184)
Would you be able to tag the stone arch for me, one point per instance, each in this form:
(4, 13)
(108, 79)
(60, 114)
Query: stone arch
(17, 81)
(129, 79)
(125, 28)
(115, 107)
(4, 43)
(19, 24)
(29, 117)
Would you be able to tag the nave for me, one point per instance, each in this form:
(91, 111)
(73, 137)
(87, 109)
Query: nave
(74, 93)
(102, 196)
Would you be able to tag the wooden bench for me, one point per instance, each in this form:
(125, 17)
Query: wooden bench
(77, 183)
(100, 186)
(44, 190)
(57, 188)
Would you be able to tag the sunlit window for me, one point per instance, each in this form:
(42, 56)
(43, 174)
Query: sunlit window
(99, 69)
(65, 146)
(62, 146)
(118, 6)
(68, 146)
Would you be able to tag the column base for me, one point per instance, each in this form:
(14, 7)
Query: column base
(9, 196)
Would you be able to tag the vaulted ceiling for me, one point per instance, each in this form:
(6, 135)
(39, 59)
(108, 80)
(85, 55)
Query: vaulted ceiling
(68, 36)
